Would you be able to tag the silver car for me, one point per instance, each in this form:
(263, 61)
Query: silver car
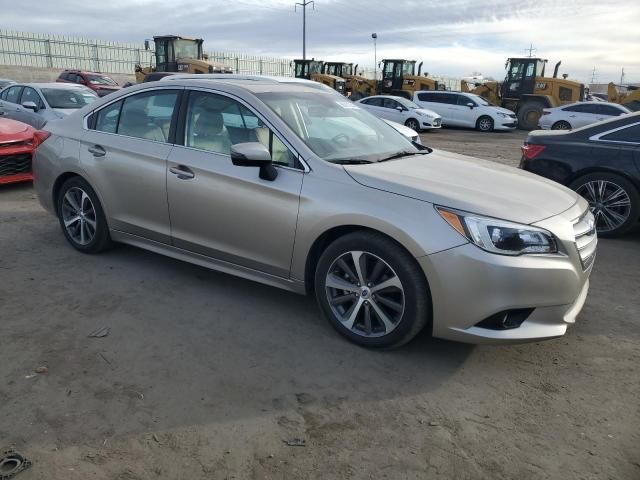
(303, 190)
(49, 100)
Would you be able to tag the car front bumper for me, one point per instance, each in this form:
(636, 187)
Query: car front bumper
(431, 124)
(469, 286)
(505, 124)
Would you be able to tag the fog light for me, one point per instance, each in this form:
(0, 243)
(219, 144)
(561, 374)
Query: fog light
(506, 320)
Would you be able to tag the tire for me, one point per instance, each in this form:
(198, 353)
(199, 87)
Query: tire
(561, 125)
(620, 213)
(81, 217)
(413, 124)
(529, 114)
(395, 313)
(485, 124)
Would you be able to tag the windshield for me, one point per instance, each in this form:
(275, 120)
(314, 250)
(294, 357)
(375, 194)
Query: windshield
(315, 67)
(408, 68)
(336, 129)
(100, 80)
(347, 69)
(186, 49)
(407, 103)
(68, 98)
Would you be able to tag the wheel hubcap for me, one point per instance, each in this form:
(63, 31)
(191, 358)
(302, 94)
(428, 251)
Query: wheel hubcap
(485, 124)
(365, 294)
(79, 216)
(609, 203)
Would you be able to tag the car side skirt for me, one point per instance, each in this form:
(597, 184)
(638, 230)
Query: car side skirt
(291, 285)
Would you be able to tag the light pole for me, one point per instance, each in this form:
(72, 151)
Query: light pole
(304, 24)
(375, 56)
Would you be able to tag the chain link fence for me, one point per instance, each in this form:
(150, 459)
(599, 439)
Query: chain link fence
(60, 52)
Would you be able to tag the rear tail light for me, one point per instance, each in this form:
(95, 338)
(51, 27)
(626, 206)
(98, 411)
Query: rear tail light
(39, 137)
(546, 112)
(530, 152)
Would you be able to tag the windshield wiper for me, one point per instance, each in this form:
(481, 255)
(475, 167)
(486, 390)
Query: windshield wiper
(350, 161)
(402, 154)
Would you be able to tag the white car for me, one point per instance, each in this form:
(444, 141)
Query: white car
(579, 114)
(49, 100)
(407, 132)
(401, 110)
(459, 109)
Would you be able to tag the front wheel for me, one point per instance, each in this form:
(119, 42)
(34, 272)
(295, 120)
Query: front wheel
(485, 124)
(372, 291)
(613, 200)
(81, 217)
(413, 124)
(561, 125)
(529, 115)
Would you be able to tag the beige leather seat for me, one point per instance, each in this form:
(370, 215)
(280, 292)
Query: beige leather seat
(208, 133)
(136, 123)
(279, 153)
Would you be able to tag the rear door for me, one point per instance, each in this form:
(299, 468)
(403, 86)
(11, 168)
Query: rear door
(581, 115)
(124, 154)
(224, 211)
(436, 102)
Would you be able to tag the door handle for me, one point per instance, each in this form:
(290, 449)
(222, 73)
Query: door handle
(183, 173)
(97, 151)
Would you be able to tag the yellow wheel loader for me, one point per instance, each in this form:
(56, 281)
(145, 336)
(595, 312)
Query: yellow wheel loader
(180, 55)
(357, 86)
(527, 91)
(313, 70)
(629, 96)
(399, 78)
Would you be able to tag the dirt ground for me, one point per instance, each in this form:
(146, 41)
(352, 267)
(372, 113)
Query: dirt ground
(207, 376)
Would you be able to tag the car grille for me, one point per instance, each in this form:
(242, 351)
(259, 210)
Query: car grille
(586, 239)
(14, 164)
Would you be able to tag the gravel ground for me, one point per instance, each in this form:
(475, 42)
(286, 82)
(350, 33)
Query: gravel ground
(207, 376)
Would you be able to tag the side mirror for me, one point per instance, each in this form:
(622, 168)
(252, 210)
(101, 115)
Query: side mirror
(254, 154)
(400, 109)
(30, 105)
(471, 105)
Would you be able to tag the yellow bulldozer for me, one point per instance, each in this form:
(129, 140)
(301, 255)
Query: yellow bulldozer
(181, 55)
(628, 95)
(527, 91)
(314, 70)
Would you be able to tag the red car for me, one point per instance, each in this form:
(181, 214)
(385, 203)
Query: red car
(98, 82)
(17, 143)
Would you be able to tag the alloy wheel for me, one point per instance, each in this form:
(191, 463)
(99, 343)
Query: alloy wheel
(485, 124)
(79, 216)
(365, 294)
(412, 124)
(609, 203)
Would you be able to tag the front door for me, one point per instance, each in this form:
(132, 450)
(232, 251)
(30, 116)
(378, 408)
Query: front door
(225, 211)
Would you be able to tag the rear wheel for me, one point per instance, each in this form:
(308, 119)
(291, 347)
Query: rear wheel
(371, 290)
(413, 124)
(81, 217)
(561, 125)
(485, 124)
(613, 200)
(529, 115)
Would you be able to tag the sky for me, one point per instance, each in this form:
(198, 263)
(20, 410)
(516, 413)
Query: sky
(452, 37)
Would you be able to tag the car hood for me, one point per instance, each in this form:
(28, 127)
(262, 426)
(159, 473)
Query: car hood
(470, 184)
(426, 111)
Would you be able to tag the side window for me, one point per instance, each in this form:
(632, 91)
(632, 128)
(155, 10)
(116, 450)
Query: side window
(107, 118)
(608, 110)
(148, 115)
(463, 101)
(13, 94)
(30, 95)
(449, 99)
(629, 134)
(215, 123)
(426, 97)
(390, 103)
(375, 102)
(576, 108)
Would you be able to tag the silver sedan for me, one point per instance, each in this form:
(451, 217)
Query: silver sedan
(49, 100)
(302, 189)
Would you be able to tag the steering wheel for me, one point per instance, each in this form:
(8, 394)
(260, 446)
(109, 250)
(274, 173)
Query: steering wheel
(342, 140)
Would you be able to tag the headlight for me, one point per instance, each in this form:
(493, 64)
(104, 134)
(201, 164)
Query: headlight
(503, 115)
(500, 236)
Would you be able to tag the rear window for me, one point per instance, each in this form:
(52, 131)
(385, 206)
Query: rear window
(630, 135)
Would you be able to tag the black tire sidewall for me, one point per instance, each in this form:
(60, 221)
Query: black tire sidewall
(417, 311)
(480, 119)
(409, 121)
(559, 122)
(622, 182)
(522, 114)
(101, 239)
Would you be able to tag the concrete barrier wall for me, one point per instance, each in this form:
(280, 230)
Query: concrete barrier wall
(34, 74)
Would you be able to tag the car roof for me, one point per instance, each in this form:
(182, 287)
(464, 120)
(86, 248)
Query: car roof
(395, 97)
(49, 85)
(258, 85)
(590, 102)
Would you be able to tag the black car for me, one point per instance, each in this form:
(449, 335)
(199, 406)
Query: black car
(601, 162)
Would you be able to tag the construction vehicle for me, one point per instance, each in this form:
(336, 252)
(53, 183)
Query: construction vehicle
(526, 91)
(627, 95)
(399, 78)
(313, 70)
(357, 86)
(179, 54)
